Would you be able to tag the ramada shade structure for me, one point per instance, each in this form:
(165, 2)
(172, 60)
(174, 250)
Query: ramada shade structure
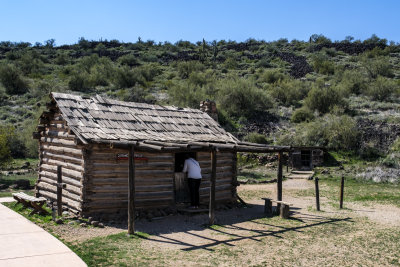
(142, 127)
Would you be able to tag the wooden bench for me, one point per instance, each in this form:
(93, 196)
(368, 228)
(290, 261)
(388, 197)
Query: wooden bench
(31, 202)
(284, 207)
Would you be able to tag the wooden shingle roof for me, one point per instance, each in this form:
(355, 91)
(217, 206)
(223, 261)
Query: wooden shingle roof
(102, 120)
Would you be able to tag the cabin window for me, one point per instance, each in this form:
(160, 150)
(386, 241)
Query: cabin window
(180, 160)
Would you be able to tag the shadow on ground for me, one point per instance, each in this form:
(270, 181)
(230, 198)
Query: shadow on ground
(192, 232)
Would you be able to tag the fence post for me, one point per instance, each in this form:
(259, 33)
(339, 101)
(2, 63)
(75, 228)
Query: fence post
(317, 193)
(59, 190)
(341, 192)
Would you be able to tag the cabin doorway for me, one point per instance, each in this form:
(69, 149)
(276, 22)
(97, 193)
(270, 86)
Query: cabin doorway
(306, 159)
(180, 181)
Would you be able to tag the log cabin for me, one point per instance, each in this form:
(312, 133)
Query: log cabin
(94, 139)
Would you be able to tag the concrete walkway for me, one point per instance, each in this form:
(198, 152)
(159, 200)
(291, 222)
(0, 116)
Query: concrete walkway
(22, 243)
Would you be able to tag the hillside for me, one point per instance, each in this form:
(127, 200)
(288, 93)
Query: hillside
(343, 95)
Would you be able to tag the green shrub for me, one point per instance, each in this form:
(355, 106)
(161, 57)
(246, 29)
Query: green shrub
(353, 82)
(289, 92)
(323, 98)
(240, 97)
(273, 76)
(126, 77)
(186, 68)
(379, 66)
(258, 138)
(183, 94)
(129, 60)
(302, 114)
(12, 80)
(5, 153)
(381, 89)
(322, 65)
(333, 132)
(79, 82)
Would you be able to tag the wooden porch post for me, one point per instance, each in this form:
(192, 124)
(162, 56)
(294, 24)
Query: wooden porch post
(59, 190)
(211, 211)
(131, 192)
(279, 183)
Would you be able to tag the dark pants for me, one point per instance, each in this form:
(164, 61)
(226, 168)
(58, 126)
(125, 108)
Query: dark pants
(194, 185)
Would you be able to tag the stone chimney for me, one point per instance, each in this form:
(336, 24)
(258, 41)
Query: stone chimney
(210, 108)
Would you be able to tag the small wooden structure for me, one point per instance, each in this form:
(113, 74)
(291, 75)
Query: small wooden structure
(116, 155)
(306, 157)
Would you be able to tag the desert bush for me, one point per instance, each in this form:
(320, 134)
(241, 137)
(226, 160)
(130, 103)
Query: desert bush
(126, 77)
(378, 66)
(240, 97)
(323, 98)
(381, 89)
(186, 68)
(149, 71)
(129, 60)
(380, 175)
(331, 131)
(79, 82)
(31, 63)
(258, 138)
(5, 153)
(185, 94)
(322, 65)
(289, 92)
(302, 114)
(353, 82)
(12, 80)
(392, 159)
(273, 76)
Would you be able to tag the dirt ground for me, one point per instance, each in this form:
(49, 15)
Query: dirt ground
(184, 228)
(251, 239)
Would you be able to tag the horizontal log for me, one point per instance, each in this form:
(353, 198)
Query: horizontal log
(62, 157)
(58, 134)
(75, 205)
(53, 189)
(68, 181)
(70, 188)
(137, 172)
(55, 128)
(154, 165)
(123, 181)
(60, 149)
(67, 172)
(124, 189)
(64, 164)
(53, 175)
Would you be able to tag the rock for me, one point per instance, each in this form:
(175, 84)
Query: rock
(59, 221)
(101, 225)
(77, 221)
(65, 213)
(82, 224)
(22, 184)
(3, 186)
(72, 223)
(90, 219)
(13, 186)
(95, 223)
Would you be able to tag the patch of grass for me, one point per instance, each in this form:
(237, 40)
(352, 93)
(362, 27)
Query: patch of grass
(10, 179)
(36, 218)
(355, 190)
(114, 250)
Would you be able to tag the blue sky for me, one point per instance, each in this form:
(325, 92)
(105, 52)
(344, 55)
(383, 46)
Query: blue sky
(173, 20)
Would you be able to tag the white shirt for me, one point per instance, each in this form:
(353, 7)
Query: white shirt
(192, 167)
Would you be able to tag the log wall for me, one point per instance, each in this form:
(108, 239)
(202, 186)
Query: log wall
(225, 187)
(107, 180)
(57, 147)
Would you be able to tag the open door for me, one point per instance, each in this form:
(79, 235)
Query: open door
(181, 184)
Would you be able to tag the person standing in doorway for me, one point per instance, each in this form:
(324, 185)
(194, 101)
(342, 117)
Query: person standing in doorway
(192, 167)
